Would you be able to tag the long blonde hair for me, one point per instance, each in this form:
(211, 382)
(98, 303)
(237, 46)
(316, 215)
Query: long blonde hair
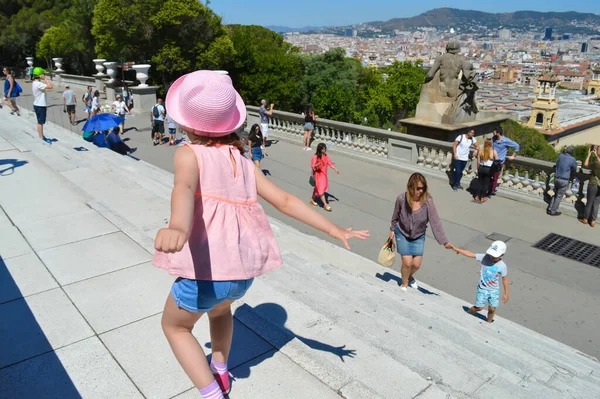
(411, 188)
(488, 151)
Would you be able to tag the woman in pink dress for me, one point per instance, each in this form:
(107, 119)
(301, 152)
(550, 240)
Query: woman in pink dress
(320, 164)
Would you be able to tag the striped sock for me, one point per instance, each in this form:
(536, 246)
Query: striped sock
(218, 368)
(212, 391)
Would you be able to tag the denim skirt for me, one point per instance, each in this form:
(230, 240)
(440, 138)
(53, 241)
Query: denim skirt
(309, 126)
(257, 154)
(407, 246)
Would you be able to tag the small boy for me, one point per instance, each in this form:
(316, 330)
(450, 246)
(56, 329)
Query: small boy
(172, 130)
(492, 267)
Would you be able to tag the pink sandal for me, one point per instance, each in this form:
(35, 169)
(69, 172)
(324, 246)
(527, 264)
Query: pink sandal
(223, 381)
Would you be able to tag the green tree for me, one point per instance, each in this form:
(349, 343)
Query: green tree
(176, 36)
(22, 25)
(323, 71)
(533, 143)
(265, 67)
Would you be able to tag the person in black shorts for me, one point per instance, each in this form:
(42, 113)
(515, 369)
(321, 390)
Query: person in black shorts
(157, 118)
(69, 102)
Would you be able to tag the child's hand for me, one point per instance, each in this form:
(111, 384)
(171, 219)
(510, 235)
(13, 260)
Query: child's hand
(170, 240)
(344, 234)
(505, 298)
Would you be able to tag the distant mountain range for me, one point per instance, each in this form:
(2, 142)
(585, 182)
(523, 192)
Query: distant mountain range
(452, 17)
(445, 18)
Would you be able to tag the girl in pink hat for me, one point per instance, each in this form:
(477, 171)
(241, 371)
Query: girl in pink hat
(218, 238)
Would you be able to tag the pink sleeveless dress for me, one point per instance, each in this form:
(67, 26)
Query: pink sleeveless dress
(230, 238)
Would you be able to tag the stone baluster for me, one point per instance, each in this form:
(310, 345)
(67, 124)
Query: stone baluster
(526, 183)
(516, 180)
(536, 186)
(569, 192)
(441, 159)
(428, 159)
(421, 157)
(435, 159)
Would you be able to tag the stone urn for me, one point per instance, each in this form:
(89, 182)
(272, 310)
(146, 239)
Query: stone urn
(99, 66)
(141, 73)
(111, 71)
(58, 64)
(29, 61)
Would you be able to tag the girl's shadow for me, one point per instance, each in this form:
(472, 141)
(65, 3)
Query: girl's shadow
(268, 324)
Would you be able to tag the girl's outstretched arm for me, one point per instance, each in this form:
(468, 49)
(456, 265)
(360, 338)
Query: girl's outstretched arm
(173, 238)
(292, 206)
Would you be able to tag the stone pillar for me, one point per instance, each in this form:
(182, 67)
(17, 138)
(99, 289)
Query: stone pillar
(144, 98)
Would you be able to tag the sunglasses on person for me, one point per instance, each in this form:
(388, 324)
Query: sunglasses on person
(421, 188)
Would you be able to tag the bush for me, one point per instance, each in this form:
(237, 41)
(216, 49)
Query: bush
(533, 143)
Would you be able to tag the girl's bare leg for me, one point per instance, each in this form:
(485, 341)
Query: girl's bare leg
(177, 324)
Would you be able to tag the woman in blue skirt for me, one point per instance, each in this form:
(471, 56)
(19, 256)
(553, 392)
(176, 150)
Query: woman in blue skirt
(414, 210)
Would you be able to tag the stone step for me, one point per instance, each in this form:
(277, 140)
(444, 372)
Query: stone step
(443, 306)
(455, 356)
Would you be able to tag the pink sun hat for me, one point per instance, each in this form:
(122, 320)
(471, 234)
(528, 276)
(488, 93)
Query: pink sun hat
(205, 103)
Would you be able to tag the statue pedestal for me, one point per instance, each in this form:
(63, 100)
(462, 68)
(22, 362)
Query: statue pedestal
(484, 123)
(144, 98)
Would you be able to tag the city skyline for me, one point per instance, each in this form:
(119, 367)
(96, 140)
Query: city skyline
(320, 13)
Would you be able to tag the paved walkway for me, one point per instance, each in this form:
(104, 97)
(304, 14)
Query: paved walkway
(549, 294)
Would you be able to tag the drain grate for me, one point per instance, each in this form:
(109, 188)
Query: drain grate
(570, 248)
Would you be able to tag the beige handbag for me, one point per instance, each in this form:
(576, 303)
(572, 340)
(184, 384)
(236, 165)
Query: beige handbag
(387, 255)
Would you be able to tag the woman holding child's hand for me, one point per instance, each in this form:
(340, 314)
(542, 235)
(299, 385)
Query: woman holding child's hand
(414, 210)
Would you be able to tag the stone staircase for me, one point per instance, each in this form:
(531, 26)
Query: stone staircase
(338, 315)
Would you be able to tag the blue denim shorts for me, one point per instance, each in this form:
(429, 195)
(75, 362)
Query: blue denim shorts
(407, 246)
(200, 296)
(491, 297)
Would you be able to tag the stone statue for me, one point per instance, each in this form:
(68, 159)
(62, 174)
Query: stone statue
(451, 84)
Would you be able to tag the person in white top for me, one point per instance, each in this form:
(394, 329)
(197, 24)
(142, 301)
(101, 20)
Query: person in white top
(461, 149)
(96, 102)
(485, 170)
(38, 89)
(120, 109)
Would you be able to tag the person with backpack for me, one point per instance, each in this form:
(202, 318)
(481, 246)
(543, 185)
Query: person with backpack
(461, 150)
(157, 119)
(12, 90)
(87, 100)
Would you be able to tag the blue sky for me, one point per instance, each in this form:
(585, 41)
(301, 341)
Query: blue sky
(300, 13)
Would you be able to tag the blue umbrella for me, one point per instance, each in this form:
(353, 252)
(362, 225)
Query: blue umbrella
(102, 122)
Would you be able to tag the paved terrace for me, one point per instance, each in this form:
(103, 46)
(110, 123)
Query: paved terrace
(551, 295)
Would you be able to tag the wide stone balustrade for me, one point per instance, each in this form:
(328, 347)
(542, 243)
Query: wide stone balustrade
(524, 179)
(77, 81)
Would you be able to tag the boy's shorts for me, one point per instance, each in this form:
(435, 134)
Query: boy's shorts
(172, 131)
(201, 296)
(492, 297)
(40, 113)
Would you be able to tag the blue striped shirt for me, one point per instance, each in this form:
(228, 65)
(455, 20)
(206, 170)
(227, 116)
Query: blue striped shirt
(501, 146)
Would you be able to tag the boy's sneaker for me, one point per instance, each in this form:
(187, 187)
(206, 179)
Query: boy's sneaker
(413, 284)
(223, 381)
(455, 188)
(403, 288)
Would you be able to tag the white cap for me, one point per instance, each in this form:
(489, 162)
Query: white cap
(497, 249)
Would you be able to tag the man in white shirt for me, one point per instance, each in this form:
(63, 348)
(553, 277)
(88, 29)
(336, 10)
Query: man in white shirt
(157, 119)
(461, 149)
(69, 103)
(39, 99)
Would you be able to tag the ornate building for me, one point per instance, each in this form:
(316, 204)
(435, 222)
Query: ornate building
(544, 110)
